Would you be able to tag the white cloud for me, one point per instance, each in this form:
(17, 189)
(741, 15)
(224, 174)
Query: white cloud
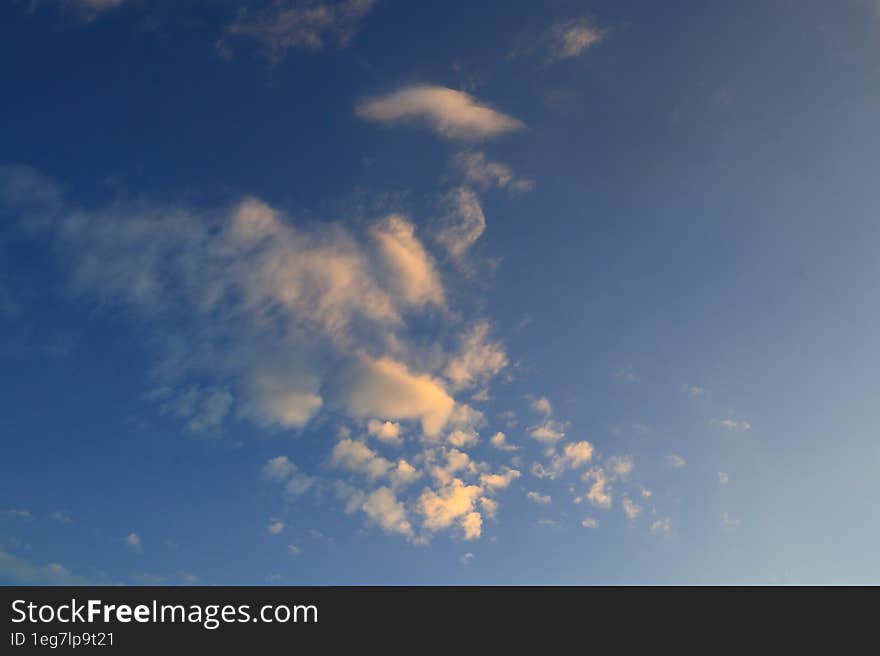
(293, 550)
(478, 358)
(452, 503)
(599, 493)
(571, 38)
(493, 482)
(695, 391)
(463, 224)
(662, 526)
(631, 509)
(133, 542)
(17, 570)
(386, 388)
(357, 457)
(466, 558)
(481, 172)
(627, 374)
(590, 522)
(275, 527)
(309, 25)
(283, 470)
(620, 466)
(411, 270)
(549, 432)
(542, 404)
(462, 438)
(499, 441)
(676, 461)
(537, 497)
(451, 114)
(723, 478)
(387, 431)
(383, 508)
(574, 456)
(736, 425)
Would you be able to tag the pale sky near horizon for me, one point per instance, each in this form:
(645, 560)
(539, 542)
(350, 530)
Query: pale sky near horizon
(363, 292)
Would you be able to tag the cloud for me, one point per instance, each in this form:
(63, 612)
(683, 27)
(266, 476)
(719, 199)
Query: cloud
(61, 517)
(620, 466)
(17, 570)
(452, 503)
(549, 432)
(675, 461)
(695, 391)
(309, 25)
(478, 358)
(485, 174)
(542, 404)
(590, 522)
(462, 439)
(387, 432)
(493, 482)
(18, 513)
(574, 456)
(384, 509)
(282, 469)
(358, 457)
(463, 223)
(499, 441)
(449, 113)
(411, 270)
(275, 527)
(542, 499)
(564, 39)
(662, 526)
(386, 388)
(735, 425)
(723, 478)
(627, 374)
(133, 542)
(293, 550)
(466, 558)
(631, 509)
(599, 493)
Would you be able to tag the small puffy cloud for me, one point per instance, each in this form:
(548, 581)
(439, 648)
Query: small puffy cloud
(620, 466)
(133, 542)
(675, 461)
(723, 478)
(728, 522)
(466, 558)
(599, 493)
(385, 431)
(282, 469)
(574, 456)
(357, 457)
(489, 507)
(590, 522)
(499, 441)
(482, 173)
(403, 474)
(478, 358)
(462, 438)
(735, 425)
(293, 550)
(384, 509)
(386, 388)
(630, 508)
(463, 224)
(549, 432)
(449, 113)
(542, 499)
(542, 404)
(275, 527)
(17, 570)
(286, 24)
(500, 481)
(451, 503)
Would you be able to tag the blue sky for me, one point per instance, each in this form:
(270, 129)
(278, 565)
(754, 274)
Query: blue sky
(405, 293)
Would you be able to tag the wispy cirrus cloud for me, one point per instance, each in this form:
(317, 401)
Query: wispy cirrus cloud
(285, 24)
